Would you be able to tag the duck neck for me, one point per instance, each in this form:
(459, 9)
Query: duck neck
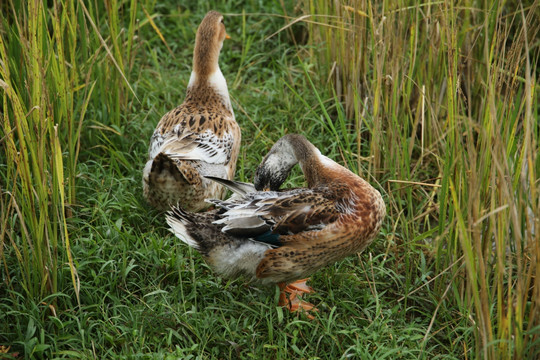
(288, 151)
(207, 75)
(205, 55)
(307, 156)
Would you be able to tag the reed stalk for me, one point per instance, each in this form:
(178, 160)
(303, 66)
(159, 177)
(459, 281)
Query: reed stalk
(446, 95)
(52, 60)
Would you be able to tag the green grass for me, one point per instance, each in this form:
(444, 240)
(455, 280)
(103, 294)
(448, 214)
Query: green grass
(452, 95)
(454, 272)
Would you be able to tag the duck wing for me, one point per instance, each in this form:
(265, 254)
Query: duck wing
(302, 210)
(192, 133)
(206, 146)
(267, 214)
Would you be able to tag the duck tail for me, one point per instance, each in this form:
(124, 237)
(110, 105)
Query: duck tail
(178, 220)
(162, 162)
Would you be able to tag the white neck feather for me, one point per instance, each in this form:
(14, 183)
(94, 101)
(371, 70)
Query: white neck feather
(217, 81)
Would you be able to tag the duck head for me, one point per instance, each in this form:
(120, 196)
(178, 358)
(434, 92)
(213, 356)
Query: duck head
(274, 169)
(208, 43)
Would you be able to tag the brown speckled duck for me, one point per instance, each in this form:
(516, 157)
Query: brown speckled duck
(198, 138)
(280, 237)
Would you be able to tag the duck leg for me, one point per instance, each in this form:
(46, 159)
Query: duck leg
(292, 302)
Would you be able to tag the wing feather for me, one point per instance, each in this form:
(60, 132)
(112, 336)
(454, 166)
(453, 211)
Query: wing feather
(184, 135)
(288, 212)
(205, 147)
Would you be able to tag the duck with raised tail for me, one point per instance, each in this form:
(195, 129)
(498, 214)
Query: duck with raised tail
(279, 237)
(198, 138)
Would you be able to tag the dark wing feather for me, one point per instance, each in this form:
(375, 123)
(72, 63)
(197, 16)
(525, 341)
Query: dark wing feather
(237, 187)
(302, 210)
(287, 212)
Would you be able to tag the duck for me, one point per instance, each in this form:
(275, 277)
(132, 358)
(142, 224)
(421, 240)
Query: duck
(198, 138)
(279, 236)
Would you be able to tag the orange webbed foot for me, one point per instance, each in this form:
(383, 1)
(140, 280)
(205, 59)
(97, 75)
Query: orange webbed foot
(292, 302)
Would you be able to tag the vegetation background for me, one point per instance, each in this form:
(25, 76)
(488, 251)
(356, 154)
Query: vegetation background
(435, 103)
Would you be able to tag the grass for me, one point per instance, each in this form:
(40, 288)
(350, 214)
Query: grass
(456, 112)
(90, 271)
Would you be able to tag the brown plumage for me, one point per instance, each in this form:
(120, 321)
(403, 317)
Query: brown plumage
(198, 138)
(282, 236)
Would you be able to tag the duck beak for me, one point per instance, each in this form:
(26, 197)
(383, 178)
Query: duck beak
(227, 36)
(266, 188)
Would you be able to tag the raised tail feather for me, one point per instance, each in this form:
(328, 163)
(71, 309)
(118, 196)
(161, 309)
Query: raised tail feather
(179, 170)
(178, 220)
(162, 162)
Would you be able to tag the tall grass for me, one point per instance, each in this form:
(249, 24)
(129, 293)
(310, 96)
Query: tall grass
(54, 62)
(447, 95)
(434, 103)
